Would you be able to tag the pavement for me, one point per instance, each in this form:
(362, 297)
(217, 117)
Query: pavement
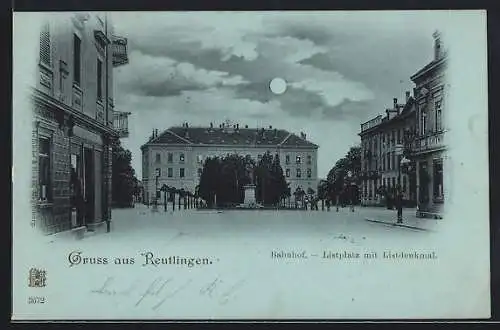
(386, 217)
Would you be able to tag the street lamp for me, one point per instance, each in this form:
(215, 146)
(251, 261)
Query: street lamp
(403, 163)
(155, 204)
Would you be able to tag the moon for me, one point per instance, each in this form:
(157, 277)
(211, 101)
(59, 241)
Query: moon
(278, 86)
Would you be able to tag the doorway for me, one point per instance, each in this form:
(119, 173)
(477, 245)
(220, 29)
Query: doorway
(88, 178)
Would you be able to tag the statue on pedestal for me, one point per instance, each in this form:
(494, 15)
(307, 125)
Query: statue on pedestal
(250, 173)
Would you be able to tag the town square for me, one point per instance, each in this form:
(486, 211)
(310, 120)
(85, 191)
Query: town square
(234, 142)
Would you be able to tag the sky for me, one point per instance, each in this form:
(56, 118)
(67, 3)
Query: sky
(340, 68)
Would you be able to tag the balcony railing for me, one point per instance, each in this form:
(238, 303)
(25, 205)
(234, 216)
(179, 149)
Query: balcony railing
(120, 123)
(429, 142)
(371, 123)
(119, 50)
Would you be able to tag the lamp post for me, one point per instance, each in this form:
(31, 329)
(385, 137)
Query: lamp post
(403, 163)
(155, 203)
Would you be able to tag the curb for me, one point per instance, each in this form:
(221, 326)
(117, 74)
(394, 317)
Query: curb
(396, 224)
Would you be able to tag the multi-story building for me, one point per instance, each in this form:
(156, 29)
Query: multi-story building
(382, 144)
(429, 146)
(177, 154)
(74, 118)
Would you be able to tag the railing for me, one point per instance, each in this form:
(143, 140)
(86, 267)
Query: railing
(371, 123)
(120, 123)
(119, 50)
(429, 142)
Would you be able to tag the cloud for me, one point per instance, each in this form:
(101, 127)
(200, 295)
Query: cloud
(163, 76)
(342, 69)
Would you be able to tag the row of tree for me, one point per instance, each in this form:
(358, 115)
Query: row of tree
(223, 179)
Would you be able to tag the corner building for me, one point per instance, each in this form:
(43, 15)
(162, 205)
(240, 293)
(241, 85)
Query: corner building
(74, 121)
(429, 148)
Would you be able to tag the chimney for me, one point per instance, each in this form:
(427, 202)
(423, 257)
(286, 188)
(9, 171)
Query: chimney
(237, 126)
(246, 126)
(407, 96)
(438, 47)
(395, 100)
(275, 132)
(270, 127)
(211, 125)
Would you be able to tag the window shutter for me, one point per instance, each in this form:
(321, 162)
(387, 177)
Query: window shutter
(45, 44)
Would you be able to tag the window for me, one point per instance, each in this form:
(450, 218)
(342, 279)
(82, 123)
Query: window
(287, 172)
(181, 158)
(423, 119)
(309, 159)
(99, 79)
(45, 45)
(388, 161)
(170, 157)
(299, 173)
(170, 172)
(200, 171)
(200, 159)
(309, 173)
(438, 115)
(438, 179)
(76, 59)
(297, 159)
(181, 172)
(45, 187)
(287, 159)
(393, 137)
(393, 181)
(158, 157)
(394, 165)
(398, 136)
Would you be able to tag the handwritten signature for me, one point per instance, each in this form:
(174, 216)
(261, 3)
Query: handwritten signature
(157, 292)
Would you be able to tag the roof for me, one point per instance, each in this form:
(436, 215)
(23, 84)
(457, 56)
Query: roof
(230, 136)
(428, 67)
(408, 110)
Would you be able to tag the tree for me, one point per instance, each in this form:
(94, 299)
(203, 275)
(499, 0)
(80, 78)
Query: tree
(124, 182)
(337, 176)
(208, 180)
(279, 185)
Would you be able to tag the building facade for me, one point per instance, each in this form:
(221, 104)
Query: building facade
(74, 119)
(383, 144)
(429, 148)
(178, 154)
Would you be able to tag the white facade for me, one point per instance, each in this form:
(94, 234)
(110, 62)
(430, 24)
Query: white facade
(182, 169)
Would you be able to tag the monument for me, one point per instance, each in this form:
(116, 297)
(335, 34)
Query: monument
(249, 200)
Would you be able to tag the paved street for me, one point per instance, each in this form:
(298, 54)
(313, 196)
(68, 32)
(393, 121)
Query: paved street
(138, 225)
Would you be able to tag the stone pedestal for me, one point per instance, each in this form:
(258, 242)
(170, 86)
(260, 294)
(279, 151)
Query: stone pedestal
(249, 194)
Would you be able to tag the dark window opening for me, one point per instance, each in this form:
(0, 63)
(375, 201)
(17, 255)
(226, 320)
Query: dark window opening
(76, 59)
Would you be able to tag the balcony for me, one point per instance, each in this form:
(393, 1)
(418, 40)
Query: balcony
(431, 142)
(119, 51)
(371, 123)
(120, 123)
